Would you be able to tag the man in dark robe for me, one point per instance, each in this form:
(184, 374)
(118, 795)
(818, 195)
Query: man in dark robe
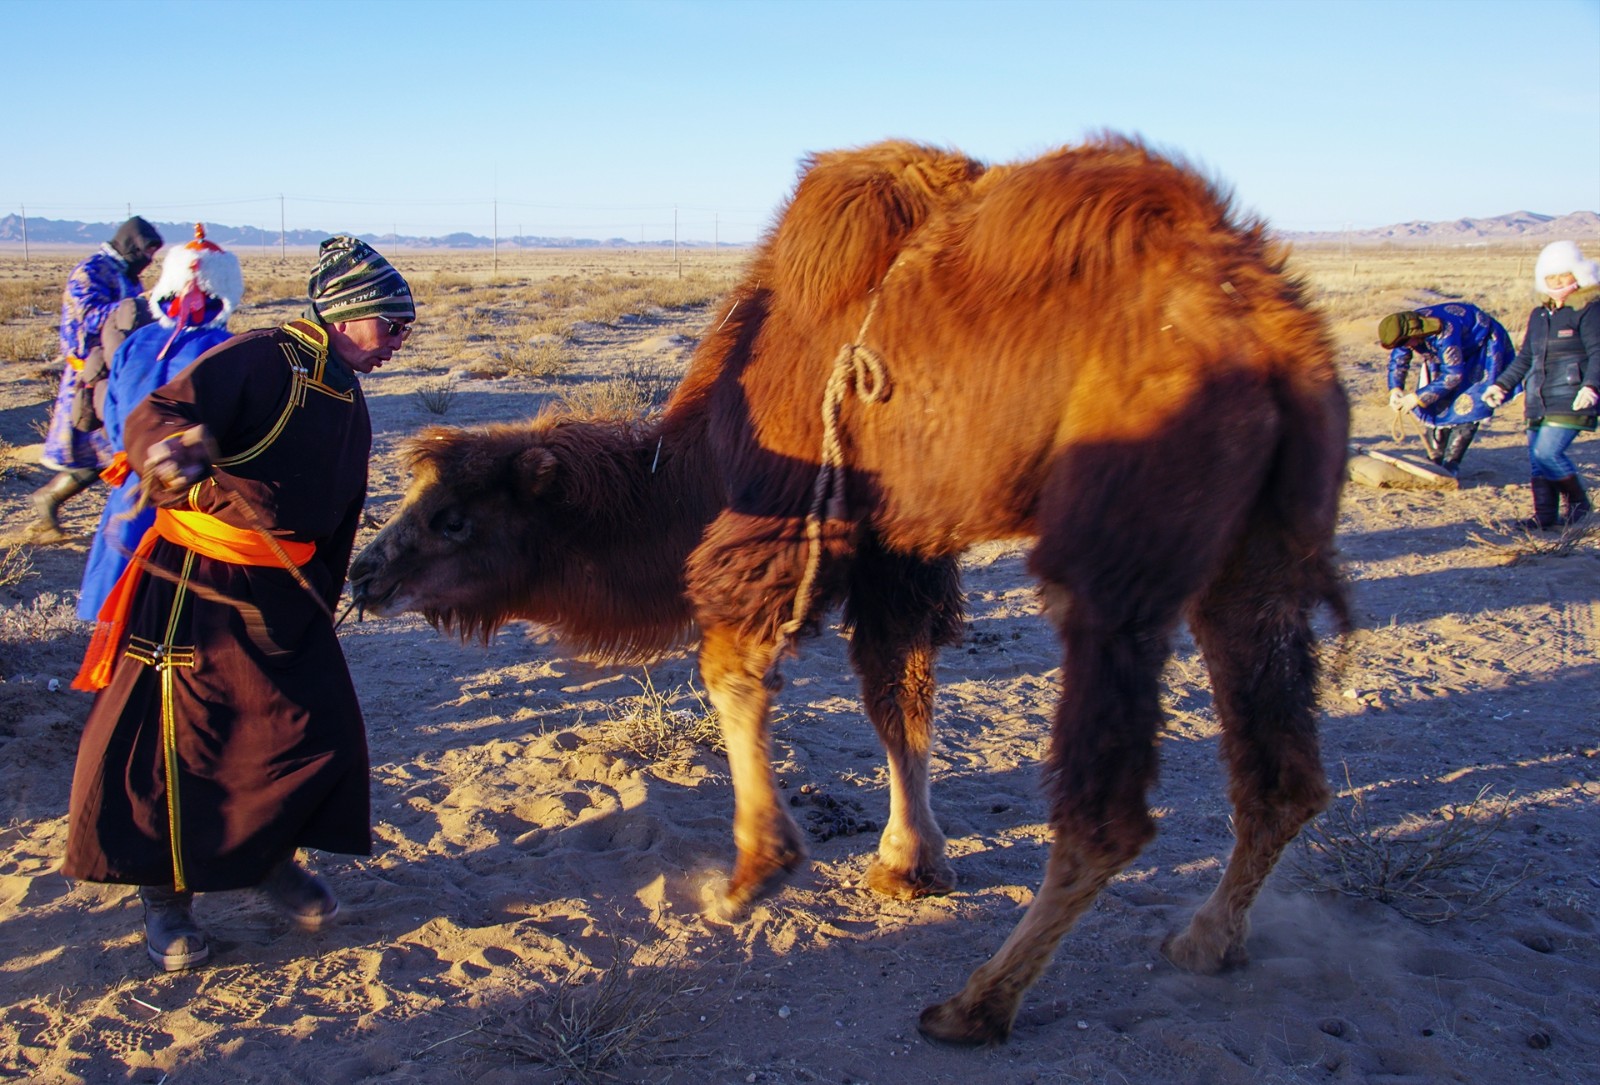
(227, 733)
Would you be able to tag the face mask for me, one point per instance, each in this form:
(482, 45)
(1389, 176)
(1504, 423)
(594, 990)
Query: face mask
(132, 239)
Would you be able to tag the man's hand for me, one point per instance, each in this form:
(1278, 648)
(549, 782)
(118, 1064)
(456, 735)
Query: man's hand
(1408, 401)
(1395, 397)
(1587, 397)
(180, 461)
(1493, 396)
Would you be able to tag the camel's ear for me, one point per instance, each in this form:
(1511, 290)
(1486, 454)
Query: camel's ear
(533, 471)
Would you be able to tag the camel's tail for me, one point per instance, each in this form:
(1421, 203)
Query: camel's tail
(1302, 490)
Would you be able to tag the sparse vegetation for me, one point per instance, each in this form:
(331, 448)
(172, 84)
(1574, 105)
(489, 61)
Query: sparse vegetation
(44, 632)
(30, 297)
(1428, 868)
(1365, 283)
(436, 396)
(1517, 544)
(638, 392)
(595, 1020)
(533, 357)
(15, 566)
(665, 726)
(30, 343)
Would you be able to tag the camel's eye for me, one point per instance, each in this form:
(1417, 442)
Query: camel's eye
(452, 523)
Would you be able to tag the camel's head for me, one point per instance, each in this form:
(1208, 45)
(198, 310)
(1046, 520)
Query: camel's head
(465, 547)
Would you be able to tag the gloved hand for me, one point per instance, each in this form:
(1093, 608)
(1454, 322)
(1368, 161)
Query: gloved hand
(1493, 396)
(1395, 398)
(1408, 401)
(180, 461)
(1587, 397)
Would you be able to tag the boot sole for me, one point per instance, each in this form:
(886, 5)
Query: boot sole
(313, 923)
(177, 962)
(308, 923)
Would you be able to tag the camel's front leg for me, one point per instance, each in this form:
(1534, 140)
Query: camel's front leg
(901, 610)
(769, 843)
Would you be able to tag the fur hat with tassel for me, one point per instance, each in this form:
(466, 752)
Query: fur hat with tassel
(200, 285)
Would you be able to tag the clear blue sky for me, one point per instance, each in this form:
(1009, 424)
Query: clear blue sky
(598, 119)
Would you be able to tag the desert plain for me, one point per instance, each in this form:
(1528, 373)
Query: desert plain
(550, 830)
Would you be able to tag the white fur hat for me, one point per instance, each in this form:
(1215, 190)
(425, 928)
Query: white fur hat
(200, 264)
(1560, 256)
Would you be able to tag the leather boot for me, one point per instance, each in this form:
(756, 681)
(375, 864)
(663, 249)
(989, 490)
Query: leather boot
(1574, 501)
(1456, 447)
(48, 499)
(1545, 506)
(1435, 440)
(170, 935)
(300, 895)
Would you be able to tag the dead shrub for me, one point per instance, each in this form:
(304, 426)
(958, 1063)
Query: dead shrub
(1520, 545)
(42, 634)
(436, 397)
(596, 1020)
(15, 566)
(28, 344)
(28, 298)
(1424, 868)
(665, 726)
(617, 399)
(532, 357)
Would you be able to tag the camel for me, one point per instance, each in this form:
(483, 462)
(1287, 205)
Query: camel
(1087, 349)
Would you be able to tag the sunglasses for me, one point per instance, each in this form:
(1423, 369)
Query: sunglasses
(394, 327)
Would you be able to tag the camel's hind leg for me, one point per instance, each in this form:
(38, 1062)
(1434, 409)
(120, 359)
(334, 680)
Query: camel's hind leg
(1253, 625)
(769, 843)
(1102, 760)
(901, 611)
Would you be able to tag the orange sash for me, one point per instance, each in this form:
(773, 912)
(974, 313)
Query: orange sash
(197, 531)
(117, 471)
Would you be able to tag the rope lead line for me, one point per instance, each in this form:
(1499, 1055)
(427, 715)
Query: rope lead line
(856, 367)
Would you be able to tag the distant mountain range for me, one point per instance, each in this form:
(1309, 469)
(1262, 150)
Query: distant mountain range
(1516, 226)
(55, 232)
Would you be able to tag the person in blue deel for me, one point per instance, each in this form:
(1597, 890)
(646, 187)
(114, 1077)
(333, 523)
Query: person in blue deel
(1460, 350)
(200, 287)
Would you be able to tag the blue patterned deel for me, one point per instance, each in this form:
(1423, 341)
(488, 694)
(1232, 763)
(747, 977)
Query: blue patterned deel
(93, 290)
(1457, 364)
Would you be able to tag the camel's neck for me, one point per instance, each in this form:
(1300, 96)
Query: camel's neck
(633, 507)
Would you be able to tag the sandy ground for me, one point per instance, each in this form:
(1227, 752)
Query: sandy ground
(530, 856)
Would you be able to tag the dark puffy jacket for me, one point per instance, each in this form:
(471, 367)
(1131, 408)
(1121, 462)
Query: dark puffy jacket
(1560, 354)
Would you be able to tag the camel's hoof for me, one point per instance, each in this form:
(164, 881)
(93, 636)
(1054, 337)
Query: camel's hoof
(745, 887)
(1202, 956)
(931, 881)
(948, 1023)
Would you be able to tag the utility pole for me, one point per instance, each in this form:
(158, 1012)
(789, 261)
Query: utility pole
(494, 242)
(281, 242)
(675, 240)
(24, 235)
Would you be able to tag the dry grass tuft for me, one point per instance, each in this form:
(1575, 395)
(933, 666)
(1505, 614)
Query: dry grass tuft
(532, 357)
(1520, 544)
(640, 391)
(1420, 867)
(437, 396)
(41, 635)
(29, 343)
(597, 1020)
(15, 566)
(29, 298)
(665, 726)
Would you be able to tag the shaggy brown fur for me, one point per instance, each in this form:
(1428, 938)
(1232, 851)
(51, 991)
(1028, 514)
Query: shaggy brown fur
(1085, 349)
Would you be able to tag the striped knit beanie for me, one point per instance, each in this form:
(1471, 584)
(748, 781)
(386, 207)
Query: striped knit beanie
(352, 282)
